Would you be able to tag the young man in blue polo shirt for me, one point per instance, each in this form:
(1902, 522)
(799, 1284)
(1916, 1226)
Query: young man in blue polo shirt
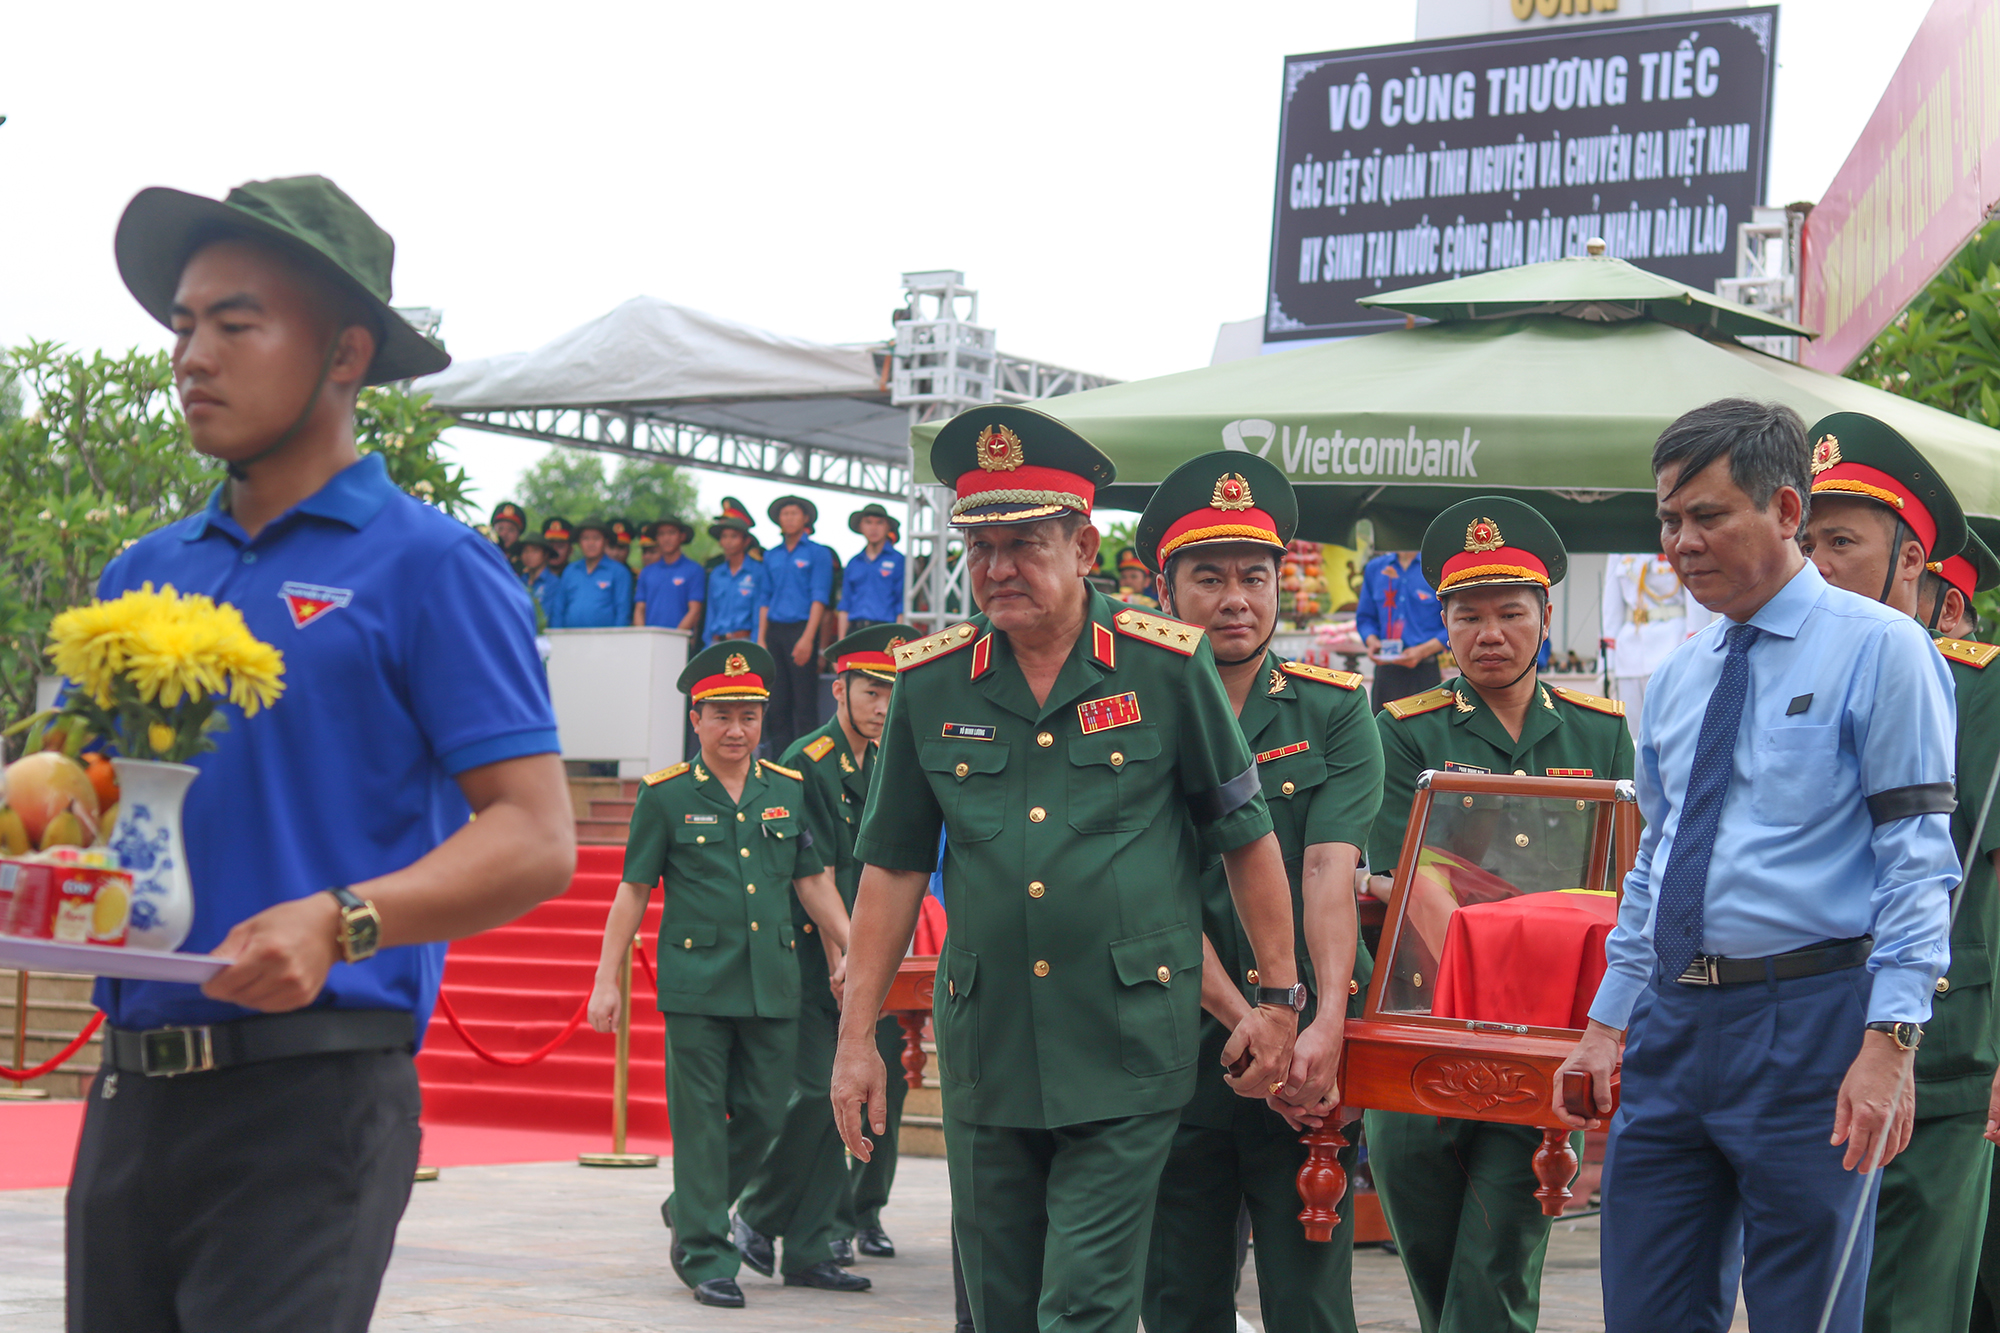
(871, 593)
(596, 589)
(739, 588)
(672, 588)
(801, 573)
(248, 1148)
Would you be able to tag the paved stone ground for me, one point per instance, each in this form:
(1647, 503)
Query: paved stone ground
(557, 1248)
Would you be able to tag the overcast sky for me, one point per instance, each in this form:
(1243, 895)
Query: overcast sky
(1102, 173)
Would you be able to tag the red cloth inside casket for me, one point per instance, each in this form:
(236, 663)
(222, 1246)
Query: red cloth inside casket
(1535, 959)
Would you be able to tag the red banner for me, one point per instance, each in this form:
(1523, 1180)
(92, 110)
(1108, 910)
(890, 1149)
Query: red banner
(1916, 186)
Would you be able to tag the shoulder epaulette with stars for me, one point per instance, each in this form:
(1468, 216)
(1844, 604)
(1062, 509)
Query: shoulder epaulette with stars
(1162, 631)
(1419, 704)
(1968, 653)
(655, 779)
(1347, 680)
(933, 646)
(819, 749)
(791, 773)
(1595, 702)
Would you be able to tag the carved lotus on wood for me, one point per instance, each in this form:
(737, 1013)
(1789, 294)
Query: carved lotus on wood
(1478, 1085)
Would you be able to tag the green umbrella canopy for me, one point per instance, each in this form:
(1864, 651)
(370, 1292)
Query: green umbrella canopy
(1395, 426)
(1596, 288)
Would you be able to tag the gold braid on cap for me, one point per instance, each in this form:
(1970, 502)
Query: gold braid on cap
(1064, 499)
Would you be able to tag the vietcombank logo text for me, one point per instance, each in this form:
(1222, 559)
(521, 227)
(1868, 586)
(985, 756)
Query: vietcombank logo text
(1302, 453)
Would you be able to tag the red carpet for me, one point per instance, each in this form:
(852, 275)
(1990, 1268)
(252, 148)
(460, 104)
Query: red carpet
(38, 1143)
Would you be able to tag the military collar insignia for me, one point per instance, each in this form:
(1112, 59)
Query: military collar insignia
(999, 450)
(1103, 646)
(1483, 535)
(1460, 702)
(1277, 682)
(982, 655)
(699, 774)
(1232, 491)
(1547, 702)
(846, 764)
(1826, 454)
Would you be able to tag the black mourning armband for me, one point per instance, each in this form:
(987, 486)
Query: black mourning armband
(1231, 796)
(1926, 798)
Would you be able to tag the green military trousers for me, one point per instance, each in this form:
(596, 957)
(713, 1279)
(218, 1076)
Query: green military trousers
(727, 1084)
(1929, 1220)
(861, 1206)
(1460, 1199)
(801, 1185)
(1302, 1285)
(1052, 1224)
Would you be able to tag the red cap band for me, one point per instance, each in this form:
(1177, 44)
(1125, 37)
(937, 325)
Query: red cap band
(1030, 484)
(1207, 525)
(1509, 564)
(748, 686)
(1868, 483)
(864, 662)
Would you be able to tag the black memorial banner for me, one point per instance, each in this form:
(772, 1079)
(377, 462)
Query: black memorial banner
(1400, 165)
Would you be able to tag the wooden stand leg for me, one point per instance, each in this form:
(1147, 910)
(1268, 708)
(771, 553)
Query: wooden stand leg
(913, 1047)
(1322, 1182)
(1555, 1167)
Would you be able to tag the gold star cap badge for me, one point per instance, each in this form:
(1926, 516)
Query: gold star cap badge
(1232, 491)
(1482, 535)
(737, 665)
(1826, 454)
(999, 450)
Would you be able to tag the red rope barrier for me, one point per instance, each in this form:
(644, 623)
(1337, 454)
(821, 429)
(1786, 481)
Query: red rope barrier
(50, 1065)
(512, 1061)
(652, 977)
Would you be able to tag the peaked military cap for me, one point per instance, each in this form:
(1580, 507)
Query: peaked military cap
(1489, 541)
(1225, 496)
(1854, 454)
(1128, 558)
(622, 531)
(729, 671)
(557, 529)
(1012, 464)
(646, 535)
(871, 651)
(510, 511)
(733, 516)
(1973, 569)
(811, 509)
(307, 217)
(870, 511)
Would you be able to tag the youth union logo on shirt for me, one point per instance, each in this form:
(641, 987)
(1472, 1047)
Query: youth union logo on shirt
(308, 601)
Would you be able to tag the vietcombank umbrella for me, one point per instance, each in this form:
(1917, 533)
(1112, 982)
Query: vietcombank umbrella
(1560, 406)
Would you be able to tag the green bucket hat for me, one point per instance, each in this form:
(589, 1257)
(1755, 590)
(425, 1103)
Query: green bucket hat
(306, 216)
(810, 509)
(869, 511)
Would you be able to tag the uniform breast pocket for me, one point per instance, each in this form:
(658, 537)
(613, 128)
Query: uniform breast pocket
(1159, 999)
(968, 779)
(1795, 772)
(1292, 778)
(1112, 783)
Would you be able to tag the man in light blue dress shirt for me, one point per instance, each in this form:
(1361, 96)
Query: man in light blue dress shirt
(1787, 913)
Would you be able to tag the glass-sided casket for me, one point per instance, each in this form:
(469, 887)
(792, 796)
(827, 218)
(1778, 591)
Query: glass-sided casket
(1491, 951)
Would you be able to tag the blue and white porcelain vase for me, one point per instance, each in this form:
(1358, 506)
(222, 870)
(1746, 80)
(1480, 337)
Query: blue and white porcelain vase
(147, 840)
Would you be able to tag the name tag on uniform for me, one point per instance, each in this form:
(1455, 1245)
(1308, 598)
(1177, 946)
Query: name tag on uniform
(968, 731)
(1119, 710)
(698, 819)
(1284, 750)
(1568, 773)
(1465, 768)
(777, 812)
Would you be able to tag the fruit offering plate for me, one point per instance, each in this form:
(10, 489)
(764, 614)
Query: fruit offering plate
(105, 961)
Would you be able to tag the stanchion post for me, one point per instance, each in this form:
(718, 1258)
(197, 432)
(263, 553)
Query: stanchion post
(14, 1092)
(621, 1079)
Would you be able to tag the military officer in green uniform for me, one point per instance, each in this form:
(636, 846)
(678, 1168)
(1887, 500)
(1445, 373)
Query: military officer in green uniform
(1460, 1194)
(729, 836)
(1884, 525)
(804, 1191)
(1078, 753)
(1215, 532)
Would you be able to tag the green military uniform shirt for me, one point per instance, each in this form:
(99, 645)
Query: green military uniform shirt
(1961, 1045)
(1320, 762)
(836, 782)
(1069, 988)
(727, 947)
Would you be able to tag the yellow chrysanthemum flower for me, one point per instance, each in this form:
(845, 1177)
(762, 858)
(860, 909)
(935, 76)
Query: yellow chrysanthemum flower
(172, 649)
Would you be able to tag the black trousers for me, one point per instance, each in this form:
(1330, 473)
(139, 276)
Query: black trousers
(1394, 682)
(263, 1197)
(794, 708)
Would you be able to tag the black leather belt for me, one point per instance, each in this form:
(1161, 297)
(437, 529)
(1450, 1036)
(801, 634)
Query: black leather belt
(167, 1052)
(1710, 970)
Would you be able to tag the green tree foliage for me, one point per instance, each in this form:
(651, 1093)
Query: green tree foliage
(1944, 349)
(404, 428)
(576, 484)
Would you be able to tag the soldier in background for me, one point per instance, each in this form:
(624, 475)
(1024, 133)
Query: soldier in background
(1647, 614)
(1135, 581)
(556, 531)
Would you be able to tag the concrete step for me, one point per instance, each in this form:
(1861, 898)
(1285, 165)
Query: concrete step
(582, 791)
(603, 832)
(612, 809)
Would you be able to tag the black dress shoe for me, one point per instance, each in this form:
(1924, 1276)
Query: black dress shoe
(755, 1247)
(828, 1276)
(721, 1292)
(875, 1243)
(842, 1251)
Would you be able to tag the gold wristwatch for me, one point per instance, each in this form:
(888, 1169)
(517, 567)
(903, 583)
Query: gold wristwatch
(360, 930)
(1907, 1036)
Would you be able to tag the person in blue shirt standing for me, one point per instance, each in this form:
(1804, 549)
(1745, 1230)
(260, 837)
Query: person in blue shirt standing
(248, 1144)
(1398, 619)
(596, 590)
(801, 573)
(540, 581)
(739, 589)
(871, 592)
(672, 586)
(1786, 918)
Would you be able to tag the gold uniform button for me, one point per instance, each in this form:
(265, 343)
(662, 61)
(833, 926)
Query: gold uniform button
(1288, 789)
(1118, 759)
(701, 837)
(1041, 967)
(1044, 739)
(1520, 840)
(687, 943)
(1416, 978)
(965, 631)
(1468, 802)
(1036, 888)
(1943, 985)
(743, 851)
(1520, 772)
(1124, 617)
(962, 770)
(739, 816)
(1251, 976)
(749, 888)
(1164, 975)
(809, 927)
(753, 925)
(1037, 815)
(951, 989)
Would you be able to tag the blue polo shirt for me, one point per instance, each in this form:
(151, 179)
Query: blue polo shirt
(735, 599)
(668, 587)
(598, 598)
(873, 589)
(800, 576)
(545, 588)
(1396, 602)
(409, 649)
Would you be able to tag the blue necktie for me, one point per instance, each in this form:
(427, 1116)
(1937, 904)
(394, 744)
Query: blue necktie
(1677, 926)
